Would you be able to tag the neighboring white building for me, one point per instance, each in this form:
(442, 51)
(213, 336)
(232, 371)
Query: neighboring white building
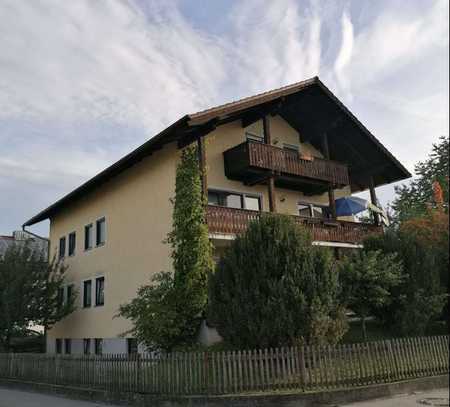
(22, 237)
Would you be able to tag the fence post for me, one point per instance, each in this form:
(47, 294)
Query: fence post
(138, 373)
(206, 371)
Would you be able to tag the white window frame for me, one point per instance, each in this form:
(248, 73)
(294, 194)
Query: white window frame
(95, 231)
(95, 290)
(82, 293)
(92, 225)
(74, 232)
(242, 194)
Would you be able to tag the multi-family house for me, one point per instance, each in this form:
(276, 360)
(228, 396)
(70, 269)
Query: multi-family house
(293, 150)
(23, 238)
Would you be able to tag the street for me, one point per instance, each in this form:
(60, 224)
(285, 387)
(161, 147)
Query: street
(437, 398)
(16, 398)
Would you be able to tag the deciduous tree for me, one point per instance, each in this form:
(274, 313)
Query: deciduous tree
(29, 291)
(367, 279)
(414, 199)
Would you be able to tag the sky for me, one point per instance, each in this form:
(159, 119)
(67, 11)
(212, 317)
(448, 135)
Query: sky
(84, 82)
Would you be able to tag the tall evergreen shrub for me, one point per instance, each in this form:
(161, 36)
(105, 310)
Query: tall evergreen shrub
(167, 313)
(273, 288)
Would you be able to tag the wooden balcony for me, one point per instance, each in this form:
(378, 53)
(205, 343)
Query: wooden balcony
(229, 221)
(251, 162)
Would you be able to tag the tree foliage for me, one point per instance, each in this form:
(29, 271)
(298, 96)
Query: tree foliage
(29, 292)
(415, 198)
(273, 288)
(367, 279)
(167, 313)
(47, 306)
(422, 246)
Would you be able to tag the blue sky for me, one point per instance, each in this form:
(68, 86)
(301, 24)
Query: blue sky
(84, 82)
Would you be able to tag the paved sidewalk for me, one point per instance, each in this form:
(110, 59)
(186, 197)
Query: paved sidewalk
(437, 398)
(19, 398)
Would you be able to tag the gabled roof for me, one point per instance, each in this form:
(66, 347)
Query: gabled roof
(304, 102)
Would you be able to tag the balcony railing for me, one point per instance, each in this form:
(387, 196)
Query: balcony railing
(252, 155)
(230, 221)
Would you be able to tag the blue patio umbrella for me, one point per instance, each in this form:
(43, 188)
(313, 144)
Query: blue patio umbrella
(350, 205)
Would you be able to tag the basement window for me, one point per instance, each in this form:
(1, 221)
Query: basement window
(98, 346)
(86, 346)
(132, 346)
(58, 346)
(67, 346)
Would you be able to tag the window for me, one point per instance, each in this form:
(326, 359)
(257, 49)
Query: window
(291, 148)
(86, 346)
(234, 200)
(322, 212)
(132, 346)
(98, 345)
(58, 346)
(88, 236)
(304, 210)
(60, 297)
(254, 137)
(62, 247)
(67, 346)
(69, 293)
(100, 228)
(87, 293)
(72, 243)
(313, 210)
(252, 202)
(100, 291)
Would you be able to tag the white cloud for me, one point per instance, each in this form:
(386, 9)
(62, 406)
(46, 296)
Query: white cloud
(275, 44)
(393, 41)
(103, 60)
(346, 50)
(82, 82)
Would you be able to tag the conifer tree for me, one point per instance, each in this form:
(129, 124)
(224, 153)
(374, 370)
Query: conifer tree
(273, 288)
(167, 313)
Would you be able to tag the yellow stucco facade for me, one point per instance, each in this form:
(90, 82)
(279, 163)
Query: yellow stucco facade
(138, 213)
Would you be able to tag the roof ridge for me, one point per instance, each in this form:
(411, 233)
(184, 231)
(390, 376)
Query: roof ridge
(258, 95)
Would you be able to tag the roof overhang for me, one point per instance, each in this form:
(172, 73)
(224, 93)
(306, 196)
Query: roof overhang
(308, 106)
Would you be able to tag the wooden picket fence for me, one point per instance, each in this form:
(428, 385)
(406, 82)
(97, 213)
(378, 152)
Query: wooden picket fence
(301, 368)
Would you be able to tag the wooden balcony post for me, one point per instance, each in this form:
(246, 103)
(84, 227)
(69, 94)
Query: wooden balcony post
(202, 164)
(271, 179)
(331, 199)
(266, 130)
(373, 199)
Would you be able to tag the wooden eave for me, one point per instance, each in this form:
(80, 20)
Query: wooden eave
(308, 106)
